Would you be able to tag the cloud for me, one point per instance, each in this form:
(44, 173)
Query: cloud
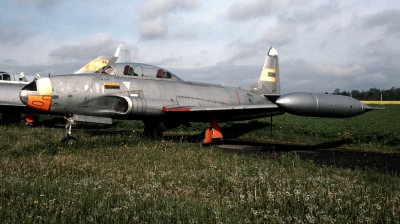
(342, 71)
(14, 35)
(388, 19)
(310, 15)
(156, 22)
(155, 28)
(39, 3)
(302, 75)
(94, 46)
(229, 75)
(11, 29)
(373, 80)
(156, 8)
(273, 37)
(248, 10)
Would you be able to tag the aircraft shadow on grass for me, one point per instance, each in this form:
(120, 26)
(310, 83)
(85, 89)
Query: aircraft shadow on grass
(328, 154)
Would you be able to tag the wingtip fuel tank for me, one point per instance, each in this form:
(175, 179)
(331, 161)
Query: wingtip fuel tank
(321, 105)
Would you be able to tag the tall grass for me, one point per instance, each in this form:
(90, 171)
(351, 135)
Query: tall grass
(125, 178)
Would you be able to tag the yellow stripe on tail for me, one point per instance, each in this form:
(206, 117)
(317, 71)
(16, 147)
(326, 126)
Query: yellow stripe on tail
(268, 75)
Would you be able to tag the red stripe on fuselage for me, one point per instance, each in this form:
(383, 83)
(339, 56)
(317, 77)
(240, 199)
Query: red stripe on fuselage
(178, 109)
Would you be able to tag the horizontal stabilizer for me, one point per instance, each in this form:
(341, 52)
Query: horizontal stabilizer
(272, 97)
(368, 108)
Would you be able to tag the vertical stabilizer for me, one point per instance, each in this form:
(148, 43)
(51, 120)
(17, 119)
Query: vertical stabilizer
(269, 82)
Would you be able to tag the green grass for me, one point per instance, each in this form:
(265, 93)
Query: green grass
(128, 178)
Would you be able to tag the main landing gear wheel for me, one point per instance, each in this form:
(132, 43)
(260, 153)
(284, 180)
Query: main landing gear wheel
(153, 129)
(69, 140)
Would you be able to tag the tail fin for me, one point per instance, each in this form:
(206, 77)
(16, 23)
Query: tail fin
(269, 82)
(121, 55)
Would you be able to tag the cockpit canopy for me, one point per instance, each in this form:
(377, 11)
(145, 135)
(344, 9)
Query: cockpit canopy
(137, 69)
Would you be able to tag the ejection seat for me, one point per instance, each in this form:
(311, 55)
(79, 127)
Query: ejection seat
(128, 70)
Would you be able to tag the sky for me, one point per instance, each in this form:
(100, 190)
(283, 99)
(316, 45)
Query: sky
(323, 45)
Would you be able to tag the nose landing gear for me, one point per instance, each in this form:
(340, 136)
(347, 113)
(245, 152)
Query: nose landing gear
(68, 126)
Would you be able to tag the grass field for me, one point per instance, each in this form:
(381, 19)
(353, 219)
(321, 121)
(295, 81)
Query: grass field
(127, 178)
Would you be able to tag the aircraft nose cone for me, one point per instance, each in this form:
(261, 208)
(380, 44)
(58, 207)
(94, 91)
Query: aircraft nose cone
(23, 96)
(37, 94)
(28, 89)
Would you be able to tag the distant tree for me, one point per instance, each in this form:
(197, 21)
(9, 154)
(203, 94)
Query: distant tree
(337, 91)
(345, 93)
(397, 94)
(372, 94)
(363, 95)
(388, 94)
(355, 94)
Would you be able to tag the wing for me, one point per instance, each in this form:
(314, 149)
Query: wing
(221, 113)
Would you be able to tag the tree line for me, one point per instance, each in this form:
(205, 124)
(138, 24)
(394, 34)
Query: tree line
(372, 94)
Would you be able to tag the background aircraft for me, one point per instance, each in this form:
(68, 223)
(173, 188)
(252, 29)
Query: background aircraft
(10, 104)
(162, 100)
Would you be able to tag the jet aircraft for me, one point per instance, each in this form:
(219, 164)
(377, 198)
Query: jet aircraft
(162, 100)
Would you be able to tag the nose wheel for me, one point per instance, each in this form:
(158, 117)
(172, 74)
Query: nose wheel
(68, 126)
